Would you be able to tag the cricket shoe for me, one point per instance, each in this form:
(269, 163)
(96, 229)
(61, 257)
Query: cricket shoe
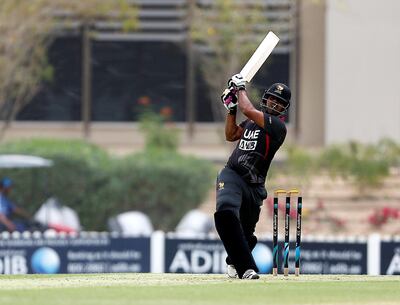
(231, 271)
(250, 274)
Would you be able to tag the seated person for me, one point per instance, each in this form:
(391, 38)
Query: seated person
(8, 209)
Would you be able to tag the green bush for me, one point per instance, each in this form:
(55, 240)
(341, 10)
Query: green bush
(390, 151)
(159, 181)
(299, 162)
(72, 149)
(162, 184)
(77, 173)
(364, 163)
(157, 136)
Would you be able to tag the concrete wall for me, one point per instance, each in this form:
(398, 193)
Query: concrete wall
(311, 80)
(362, 77)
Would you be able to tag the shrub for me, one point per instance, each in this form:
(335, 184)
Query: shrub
(157, 136)
(389, 151)
(72, 149)
(161, 183)
(299, 162)
(364, 163)
(164, 185)
(77, 173)
(334, 161)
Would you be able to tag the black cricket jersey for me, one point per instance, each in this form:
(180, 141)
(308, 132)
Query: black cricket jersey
(256, 148)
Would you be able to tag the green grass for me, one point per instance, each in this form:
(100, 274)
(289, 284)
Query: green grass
(177, 289)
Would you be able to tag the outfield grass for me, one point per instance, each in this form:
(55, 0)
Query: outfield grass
(177, 289)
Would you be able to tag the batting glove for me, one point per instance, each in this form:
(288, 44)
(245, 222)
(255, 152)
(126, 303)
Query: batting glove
(238, 82)
(230, 100)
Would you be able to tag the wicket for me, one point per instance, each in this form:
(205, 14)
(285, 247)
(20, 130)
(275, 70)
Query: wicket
(275, 247)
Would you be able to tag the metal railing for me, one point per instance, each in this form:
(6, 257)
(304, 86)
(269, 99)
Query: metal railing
(167, 20)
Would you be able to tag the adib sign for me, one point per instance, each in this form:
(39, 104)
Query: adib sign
(207, 256)
(194, 256)
(109, 253)
(390, 258)
(95, 254)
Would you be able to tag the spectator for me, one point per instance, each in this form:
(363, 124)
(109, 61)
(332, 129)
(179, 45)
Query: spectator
(9, 209)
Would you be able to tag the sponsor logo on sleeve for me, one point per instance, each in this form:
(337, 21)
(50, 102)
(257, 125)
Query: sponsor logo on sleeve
(247, 145)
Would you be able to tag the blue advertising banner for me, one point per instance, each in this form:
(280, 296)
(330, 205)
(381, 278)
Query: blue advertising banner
(333, 258)
(74, 255)
(316, 257)
(194, 256)
(208, 256)
(390, 257)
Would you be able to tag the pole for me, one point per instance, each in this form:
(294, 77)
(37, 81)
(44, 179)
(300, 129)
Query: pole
(86, 95)
(294, 67)
(190, 73)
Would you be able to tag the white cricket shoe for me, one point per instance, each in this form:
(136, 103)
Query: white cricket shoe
(250, 274)
(231, 271)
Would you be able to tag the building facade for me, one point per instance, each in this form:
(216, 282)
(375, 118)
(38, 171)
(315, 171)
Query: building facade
(340, 57)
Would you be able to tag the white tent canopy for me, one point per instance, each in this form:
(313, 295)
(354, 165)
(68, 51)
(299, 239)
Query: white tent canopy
(23, 161)
(131, 223)
(195, 222)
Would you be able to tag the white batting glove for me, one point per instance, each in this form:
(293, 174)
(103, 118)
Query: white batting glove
(238, 82)
(229, 100)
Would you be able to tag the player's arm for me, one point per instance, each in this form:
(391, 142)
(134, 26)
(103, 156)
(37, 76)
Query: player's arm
(249, 110)
(7, 223)
(229, 100)
(22, 213)
(233, 132)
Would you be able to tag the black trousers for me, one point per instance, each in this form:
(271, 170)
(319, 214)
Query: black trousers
(244, 200)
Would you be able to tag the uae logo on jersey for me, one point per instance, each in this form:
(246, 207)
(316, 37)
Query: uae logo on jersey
(249, 135)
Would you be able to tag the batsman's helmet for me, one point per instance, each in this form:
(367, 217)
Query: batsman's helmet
(281, 92)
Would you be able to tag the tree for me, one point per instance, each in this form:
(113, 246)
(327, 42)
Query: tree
(24, 31)
(27, 27)
(226, 33)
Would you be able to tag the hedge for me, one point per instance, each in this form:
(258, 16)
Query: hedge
(364, 165)
(164, 185)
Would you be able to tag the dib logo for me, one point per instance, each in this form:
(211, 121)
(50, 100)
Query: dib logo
(45, 260)
(263, 257)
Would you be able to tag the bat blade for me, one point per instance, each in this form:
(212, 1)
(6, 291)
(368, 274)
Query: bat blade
(259, 56)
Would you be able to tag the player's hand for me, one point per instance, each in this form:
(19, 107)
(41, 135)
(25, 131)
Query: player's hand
(238, 82)
(230, 100)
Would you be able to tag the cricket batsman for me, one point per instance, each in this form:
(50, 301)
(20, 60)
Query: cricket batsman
(241, 183)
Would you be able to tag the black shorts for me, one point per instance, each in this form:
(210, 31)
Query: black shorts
(245, 200)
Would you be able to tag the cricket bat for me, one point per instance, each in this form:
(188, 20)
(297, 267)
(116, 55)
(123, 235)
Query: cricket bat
(259, 56)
